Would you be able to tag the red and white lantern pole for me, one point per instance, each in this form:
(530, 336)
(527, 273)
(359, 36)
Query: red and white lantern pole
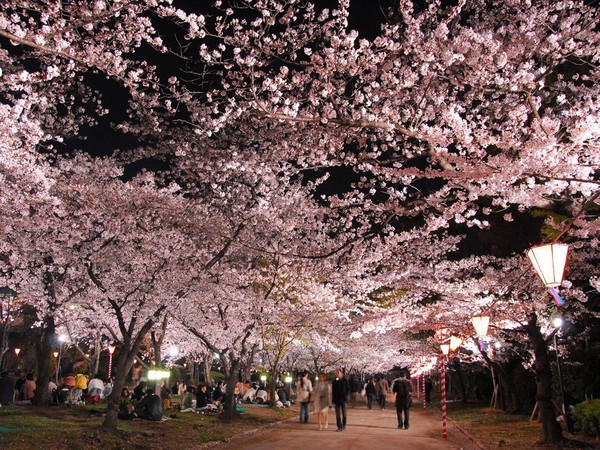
(111, 350)
(445, 350)
(423, 387)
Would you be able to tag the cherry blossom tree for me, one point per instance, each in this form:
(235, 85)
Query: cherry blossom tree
(282, 134)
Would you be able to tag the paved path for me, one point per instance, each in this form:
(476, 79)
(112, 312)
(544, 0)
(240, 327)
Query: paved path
(374, 429)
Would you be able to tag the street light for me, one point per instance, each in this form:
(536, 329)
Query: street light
(56, 353)
(558, 322)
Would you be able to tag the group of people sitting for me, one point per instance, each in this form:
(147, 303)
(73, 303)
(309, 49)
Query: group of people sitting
(76, 389)
(145, 403)
(21, 390)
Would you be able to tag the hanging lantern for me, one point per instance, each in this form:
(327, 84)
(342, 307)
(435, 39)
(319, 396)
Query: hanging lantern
(549, 262)
(111, 349)
(17, 351)
(480, 323)
(55, 353)
(445, 349)
(455, 342)
(441, 332)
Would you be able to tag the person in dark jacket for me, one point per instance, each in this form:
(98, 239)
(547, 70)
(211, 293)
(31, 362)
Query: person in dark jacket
(402, 388)
(7, 386)
(428, 389)
(150, 407)
(139, 391)
(370, 392)
(340, 397)
(202, 396)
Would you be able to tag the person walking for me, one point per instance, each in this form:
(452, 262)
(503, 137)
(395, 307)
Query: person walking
(370, 392)
(382, 390)
(304, 392)
(402, 388)
(323, 401)
(340, 391)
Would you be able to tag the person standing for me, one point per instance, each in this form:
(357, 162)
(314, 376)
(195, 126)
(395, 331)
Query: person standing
(354, 389)
(340, 397)
(323, 401)
(304, 392)
(370, 392)
(382, 390)
(428, 389)
(402, 388)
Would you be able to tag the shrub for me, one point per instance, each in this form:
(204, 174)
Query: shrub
(587, 417)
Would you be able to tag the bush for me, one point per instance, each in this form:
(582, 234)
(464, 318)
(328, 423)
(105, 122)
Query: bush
(587, 417)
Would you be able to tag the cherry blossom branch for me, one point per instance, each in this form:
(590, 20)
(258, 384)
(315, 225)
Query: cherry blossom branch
(579, 213)
(574, 180)
(223, 251)
(42, 48)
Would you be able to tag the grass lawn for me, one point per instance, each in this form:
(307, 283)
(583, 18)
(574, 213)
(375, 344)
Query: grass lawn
(78, 427)
(495, 429)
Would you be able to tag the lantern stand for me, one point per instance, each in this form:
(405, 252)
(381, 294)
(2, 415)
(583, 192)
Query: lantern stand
(423, 387)
(111, 350)
(445, 349)
(570, 428)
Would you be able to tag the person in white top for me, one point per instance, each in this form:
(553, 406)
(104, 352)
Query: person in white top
(95, 387)
(304, 392)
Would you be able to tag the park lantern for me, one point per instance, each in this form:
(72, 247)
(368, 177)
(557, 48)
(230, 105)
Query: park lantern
(17, 351)
(441, 332)
(455, 342)
(549, 262)
(445, 348)
(480, 323)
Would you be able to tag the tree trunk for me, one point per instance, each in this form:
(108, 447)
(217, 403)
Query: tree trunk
(231, 371)
(461, 380)
(552, 429)
(507, 386)
(122, 362)
(44, 350)
(97, 350)
(273, 385)
(206, 366)
(247, 364)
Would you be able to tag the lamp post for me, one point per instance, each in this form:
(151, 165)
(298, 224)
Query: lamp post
(558, 324)
(56, 353)
(288, 384)
(445, 348)
(111, 350)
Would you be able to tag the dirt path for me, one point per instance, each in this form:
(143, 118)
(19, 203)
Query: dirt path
(366, 429)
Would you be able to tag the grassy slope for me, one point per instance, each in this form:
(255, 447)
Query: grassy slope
(495, 429)
(76, 428)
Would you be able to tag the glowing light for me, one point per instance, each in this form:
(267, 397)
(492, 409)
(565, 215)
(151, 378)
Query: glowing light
(549, 262)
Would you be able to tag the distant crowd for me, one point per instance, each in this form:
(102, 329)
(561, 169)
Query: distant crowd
(152, 401)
